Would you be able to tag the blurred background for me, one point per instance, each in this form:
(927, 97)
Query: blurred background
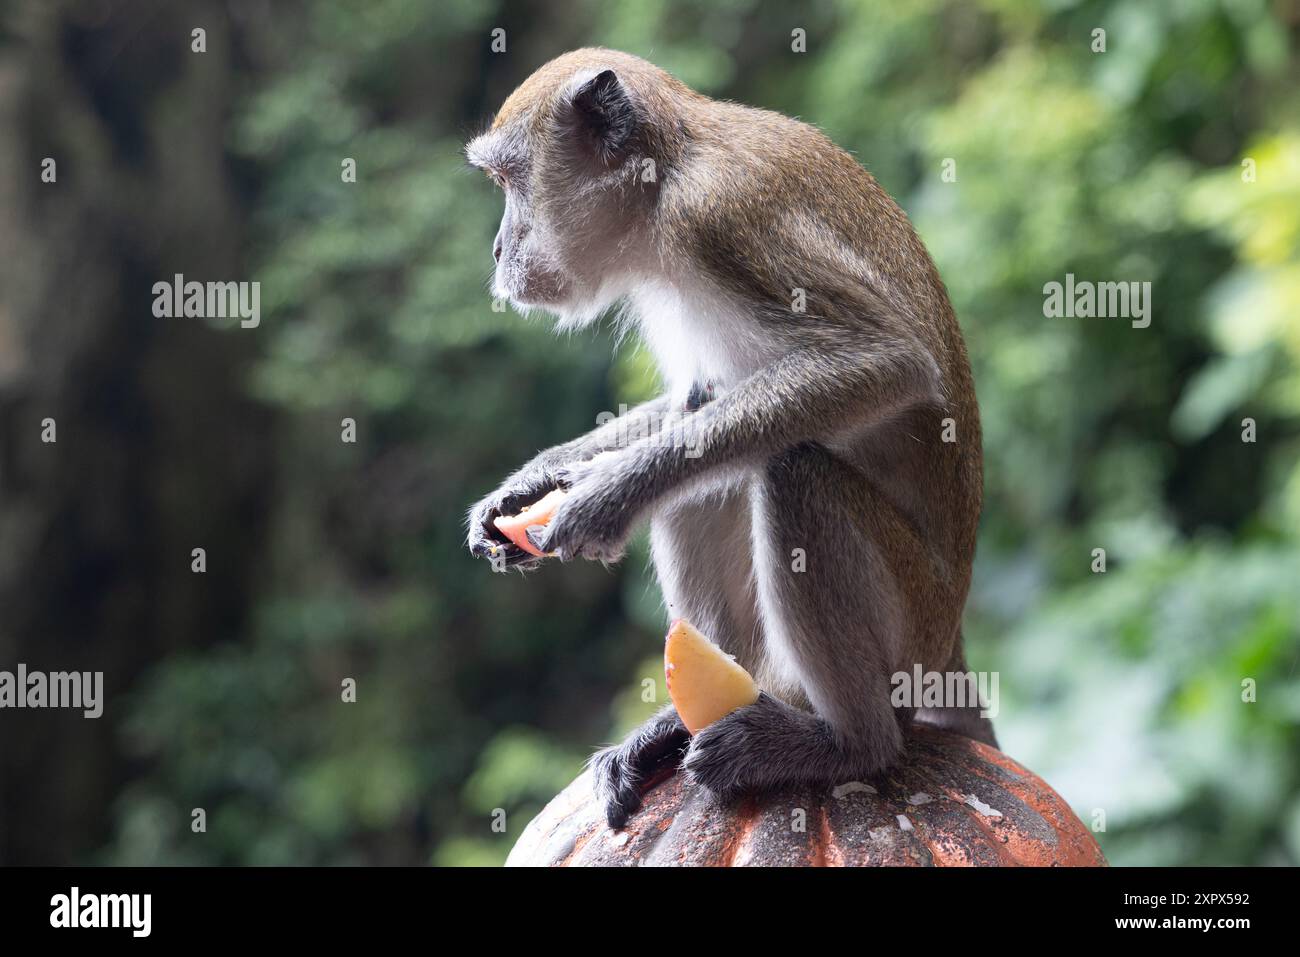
(1173, 157)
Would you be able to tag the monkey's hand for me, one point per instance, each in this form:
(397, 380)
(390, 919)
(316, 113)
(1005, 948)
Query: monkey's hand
(619, 773)
(596, 517)
(523, 488)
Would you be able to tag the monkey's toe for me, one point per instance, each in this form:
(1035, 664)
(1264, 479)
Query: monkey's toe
(617, 783)
(714, 769)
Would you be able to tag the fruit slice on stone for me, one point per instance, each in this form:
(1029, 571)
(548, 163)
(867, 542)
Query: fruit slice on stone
(515, 527)
(704, 682)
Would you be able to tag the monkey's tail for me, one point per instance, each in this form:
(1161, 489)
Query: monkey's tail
(966, 720)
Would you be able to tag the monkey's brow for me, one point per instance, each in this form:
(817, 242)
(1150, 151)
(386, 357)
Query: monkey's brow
(498, 150)
(485, 151)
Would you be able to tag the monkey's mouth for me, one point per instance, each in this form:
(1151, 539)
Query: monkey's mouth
(528, 288)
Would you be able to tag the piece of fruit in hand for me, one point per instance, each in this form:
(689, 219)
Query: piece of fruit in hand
(704, 682)
(515, 527)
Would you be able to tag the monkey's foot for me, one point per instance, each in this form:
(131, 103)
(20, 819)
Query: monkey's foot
(769, 745)
(723, 756)
(620, 774)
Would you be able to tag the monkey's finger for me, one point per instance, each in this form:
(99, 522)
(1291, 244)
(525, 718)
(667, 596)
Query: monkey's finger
(543, 539)
(617, 785)
(499, 551)
(487, 525)
(512, 503)
(566, 477)
(480, 546)
(522, 560)
(539, 535)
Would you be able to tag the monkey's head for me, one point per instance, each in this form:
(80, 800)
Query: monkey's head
(578, 157)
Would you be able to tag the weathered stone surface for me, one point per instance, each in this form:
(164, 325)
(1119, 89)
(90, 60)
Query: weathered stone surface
(950, 802)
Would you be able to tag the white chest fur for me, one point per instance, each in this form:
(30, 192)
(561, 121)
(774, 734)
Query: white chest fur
(697, 335)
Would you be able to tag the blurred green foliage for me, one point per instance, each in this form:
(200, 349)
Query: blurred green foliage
(479, 692)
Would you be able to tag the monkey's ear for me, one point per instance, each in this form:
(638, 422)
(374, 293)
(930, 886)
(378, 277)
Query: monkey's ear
(604, 114)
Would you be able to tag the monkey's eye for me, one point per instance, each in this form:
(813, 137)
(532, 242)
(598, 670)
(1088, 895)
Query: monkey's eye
(498, 177)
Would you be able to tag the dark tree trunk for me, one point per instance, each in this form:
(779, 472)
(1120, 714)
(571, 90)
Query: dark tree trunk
(157, 450)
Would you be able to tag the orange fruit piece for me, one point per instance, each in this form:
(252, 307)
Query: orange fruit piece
(515, 527)
(704, 682)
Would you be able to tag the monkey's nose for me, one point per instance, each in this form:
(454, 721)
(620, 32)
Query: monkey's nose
(496, 251)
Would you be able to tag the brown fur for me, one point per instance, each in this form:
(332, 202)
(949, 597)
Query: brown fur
(833, 441)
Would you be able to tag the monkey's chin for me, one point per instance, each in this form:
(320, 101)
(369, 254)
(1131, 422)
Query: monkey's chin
(574, 315)
(567, 313)
(525, 306)
(526, 301)
(572, 304)
(582, 305)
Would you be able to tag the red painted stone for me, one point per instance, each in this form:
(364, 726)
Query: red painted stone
(950, 802)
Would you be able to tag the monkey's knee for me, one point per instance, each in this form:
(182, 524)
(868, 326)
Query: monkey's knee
(807, 482)
(821, 521)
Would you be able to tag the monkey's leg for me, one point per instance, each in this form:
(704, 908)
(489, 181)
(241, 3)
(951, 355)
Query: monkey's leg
(701, 546)
(701, 552)
(843, 585)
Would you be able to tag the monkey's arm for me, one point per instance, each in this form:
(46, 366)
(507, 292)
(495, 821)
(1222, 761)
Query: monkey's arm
(640, 422)
(809, 395)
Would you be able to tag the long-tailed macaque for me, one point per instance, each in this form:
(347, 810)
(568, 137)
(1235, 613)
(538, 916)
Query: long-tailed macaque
(812, 473)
